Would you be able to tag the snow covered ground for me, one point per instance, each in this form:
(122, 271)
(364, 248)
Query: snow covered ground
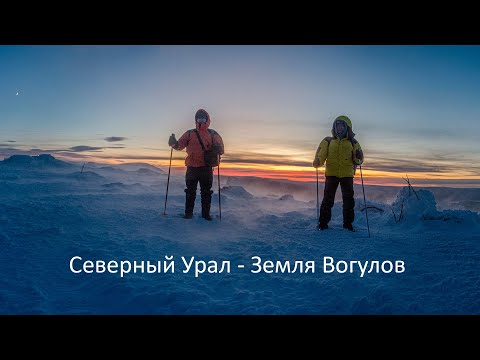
(51, 211)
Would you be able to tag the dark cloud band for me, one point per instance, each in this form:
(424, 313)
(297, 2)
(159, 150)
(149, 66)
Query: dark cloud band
(115, 138)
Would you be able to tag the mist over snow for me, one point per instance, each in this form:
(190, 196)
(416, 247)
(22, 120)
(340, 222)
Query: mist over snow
(447, 198)
(51, 211)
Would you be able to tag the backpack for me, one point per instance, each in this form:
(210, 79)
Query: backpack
(211, 157)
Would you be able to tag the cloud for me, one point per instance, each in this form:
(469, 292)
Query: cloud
(6, 151)
(139, 157)
(427, 165)
(447, 181)
(441, 163)
(115, 138)
(82, 148)
(9, 143)
(73, 155)
(266, 162)
(264, 159)
(9, 149)
(438, 163)
(396, 165)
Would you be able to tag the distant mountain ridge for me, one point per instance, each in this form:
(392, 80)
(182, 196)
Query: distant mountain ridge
(49, 161)
(39, 161)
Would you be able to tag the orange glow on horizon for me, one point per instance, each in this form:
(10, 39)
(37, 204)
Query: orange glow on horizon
(303, 173)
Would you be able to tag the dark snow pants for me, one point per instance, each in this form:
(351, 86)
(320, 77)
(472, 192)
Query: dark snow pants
(195, 175)
(331, 185)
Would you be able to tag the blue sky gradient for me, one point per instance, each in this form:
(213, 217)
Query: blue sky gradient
(410, 105)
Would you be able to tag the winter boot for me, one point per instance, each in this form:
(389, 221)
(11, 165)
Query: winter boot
(189, 203)
(322, 226)
(348, 227)
(206, 202)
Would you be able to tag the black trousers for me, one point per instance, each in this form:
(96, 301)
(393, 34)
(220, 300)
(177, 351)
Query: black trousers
(204, 176)
(331, 185)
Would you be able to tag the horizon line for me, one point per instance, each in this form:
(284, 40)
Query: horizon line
(300, 175)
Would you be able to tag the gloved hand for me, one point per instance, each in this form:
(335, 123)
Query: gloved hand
(172, 141)
(359, 155)
(316, 163)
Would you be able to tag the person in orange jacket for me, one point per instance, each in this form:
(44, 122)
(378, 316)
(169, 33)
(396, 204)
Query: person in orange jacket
(197, 170)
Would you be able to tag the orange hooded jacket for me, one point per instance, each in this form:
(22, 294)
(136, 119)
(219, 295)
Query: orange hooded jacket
(190, 141)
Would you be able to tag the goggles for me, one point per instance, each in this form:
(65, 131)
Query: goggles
(201, 120)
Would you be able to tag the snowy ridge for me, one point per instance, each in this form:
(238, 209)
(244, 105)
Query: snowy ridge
(40, 161)
(47, 219)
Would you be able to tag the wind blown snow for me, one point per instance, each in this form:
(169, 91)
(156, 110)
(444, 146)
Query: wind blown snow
(51, 211)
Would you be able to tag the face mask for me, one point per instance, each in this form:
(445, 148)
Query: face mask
(340, 128)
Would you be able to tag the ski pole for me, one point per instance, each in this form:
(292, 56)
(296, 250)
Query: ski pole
(168, 181)
(364, 201)
(219, 201)
(318, 208)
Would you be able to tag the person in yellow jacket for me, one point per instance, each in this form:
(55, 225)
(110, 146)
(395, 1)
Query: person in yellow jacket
(341, 155)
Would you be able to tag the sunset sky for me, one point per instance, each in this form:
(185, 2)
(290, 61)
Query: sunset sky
(415, 109)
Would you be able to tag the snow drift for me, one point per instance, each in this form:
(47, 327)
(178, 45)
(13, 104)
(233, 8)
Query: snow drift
(49, 216)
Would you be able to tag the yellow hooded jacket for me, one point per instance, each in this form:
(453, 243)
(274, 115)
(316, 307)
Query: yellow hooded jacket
(341, 155)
